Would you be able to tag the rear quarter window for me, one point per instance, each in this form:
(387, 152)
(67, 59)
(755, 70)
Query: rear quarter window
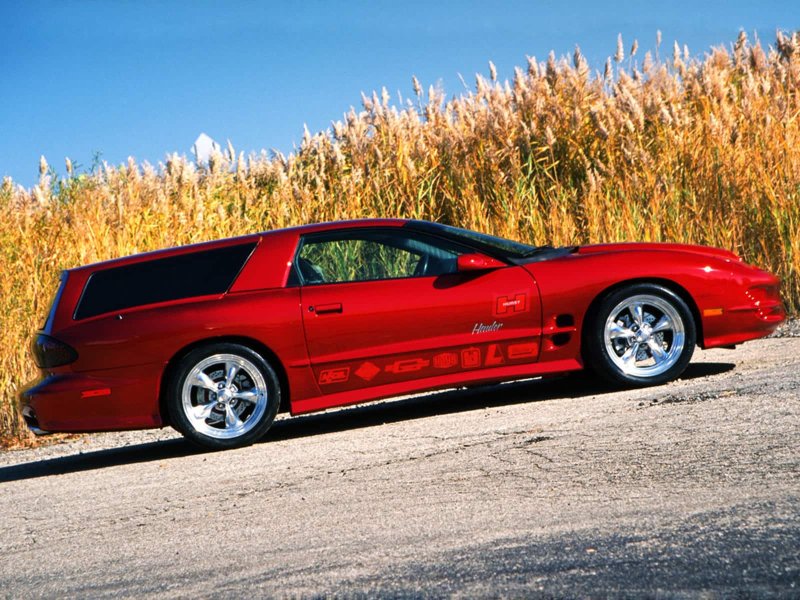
(203, 273)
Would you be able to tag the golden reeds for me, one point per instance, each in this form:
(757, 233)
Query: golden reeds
(701, 151)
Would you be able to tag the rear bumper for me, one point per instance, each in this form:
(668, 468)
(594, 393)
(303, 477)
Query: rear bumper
(113, 399)
(32, 421)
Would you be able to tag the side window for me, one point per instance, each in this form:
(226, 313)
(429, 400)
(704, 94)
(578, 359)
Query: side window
(200, 273)
(361, 255)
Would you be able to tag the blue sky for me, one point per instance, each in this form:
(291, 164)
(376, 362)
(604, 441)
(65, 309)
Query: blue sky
(145, 78)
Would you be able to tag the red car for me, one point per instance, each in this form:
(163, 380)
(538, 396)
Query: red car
(214, 339)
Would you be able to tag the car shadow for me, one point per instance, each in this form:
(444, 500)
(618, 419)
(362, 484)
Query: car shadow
(575, 385)
(454, 401)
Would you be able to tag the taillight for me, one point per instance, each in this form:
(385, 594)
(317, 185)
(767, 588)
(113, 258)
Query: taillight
(48, 352)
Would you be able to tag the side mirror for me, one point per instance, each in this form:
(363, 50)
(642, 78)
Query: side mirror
(476, 261)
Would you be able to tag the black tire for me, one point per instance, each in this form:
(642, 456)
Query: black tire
(223, 395)
(621, 343)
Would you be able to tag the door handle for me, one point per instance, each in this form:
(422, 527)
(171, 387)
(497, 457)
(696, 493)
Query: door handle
(322, 309)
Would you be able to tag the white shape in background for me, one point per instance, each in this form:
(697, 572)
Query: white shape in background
(204, 147)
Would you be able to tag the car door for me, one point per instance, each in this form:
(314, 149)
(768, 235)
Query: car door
(382, 306)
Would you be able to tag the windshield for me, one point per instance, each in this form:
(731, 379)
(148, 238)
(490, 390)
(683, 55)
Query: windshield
(489, 243)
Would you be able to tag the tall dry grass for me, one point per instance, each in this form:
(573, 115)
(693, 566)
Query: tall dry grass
(670, 149)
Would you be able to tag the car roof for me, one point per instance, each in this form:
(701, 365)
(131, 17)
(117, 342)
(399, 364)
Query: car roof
(334, 225)
(243, 239)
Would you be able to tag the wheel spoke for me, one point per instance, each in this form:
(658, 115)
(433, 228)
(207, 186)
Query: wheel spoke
(629, 358)
(615, 330)
(231, 370)
(656, 350)
(203, 380)
(637, 312)
(232, 420)
(663, 324)
(250, 396)
(202, 411)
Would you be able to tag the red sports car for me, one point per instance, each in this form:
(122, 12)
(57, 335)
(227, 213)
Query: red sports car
(216, 338)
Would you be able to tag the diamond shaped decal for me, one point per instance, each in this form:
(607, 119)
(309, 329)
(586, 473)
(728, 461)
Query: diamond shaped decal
(368, 370)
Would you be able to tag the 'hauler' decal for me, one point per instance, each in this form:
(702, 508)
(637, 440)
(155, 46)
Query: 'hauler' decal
(481, 328)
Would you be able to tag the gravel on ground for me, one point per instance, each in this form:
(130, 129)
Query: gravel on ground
(559, 487)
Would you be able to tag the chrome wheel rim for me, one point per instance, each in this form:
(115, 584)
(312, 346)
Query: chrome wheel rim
(224, 396)
(644, 335)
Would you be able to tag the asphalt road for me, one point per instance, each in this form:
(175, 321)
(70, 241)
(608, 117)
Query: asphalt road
(554, 488)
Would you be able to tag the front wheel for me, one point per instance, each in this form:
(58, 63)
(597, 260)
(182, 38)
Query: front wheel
(640, 335)
(223, 396)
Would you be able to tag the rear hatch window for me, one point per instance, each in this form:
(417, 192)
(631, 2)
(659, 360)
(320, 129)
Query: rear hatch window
(204, 273)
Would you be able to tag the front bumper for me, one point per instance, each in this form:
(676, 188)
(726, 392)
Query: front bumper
(757, 312)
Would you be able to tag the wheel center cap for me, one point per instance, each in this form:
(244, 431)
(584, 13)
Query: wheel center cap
(644, 334)
(224, 396)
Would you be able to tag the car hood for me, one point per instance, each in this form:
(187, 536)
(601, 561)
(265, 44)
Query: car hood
(657, 247)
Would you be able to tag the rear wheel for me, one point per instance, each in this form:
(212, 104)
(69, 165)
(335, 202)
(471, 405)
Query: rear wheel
(640, 335)
(223, 396)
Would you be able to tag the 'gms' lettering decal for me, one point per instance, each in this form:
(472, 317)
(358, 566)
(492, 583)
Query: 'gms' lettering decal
(487, 354)
(339, 375)
(504, 305)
